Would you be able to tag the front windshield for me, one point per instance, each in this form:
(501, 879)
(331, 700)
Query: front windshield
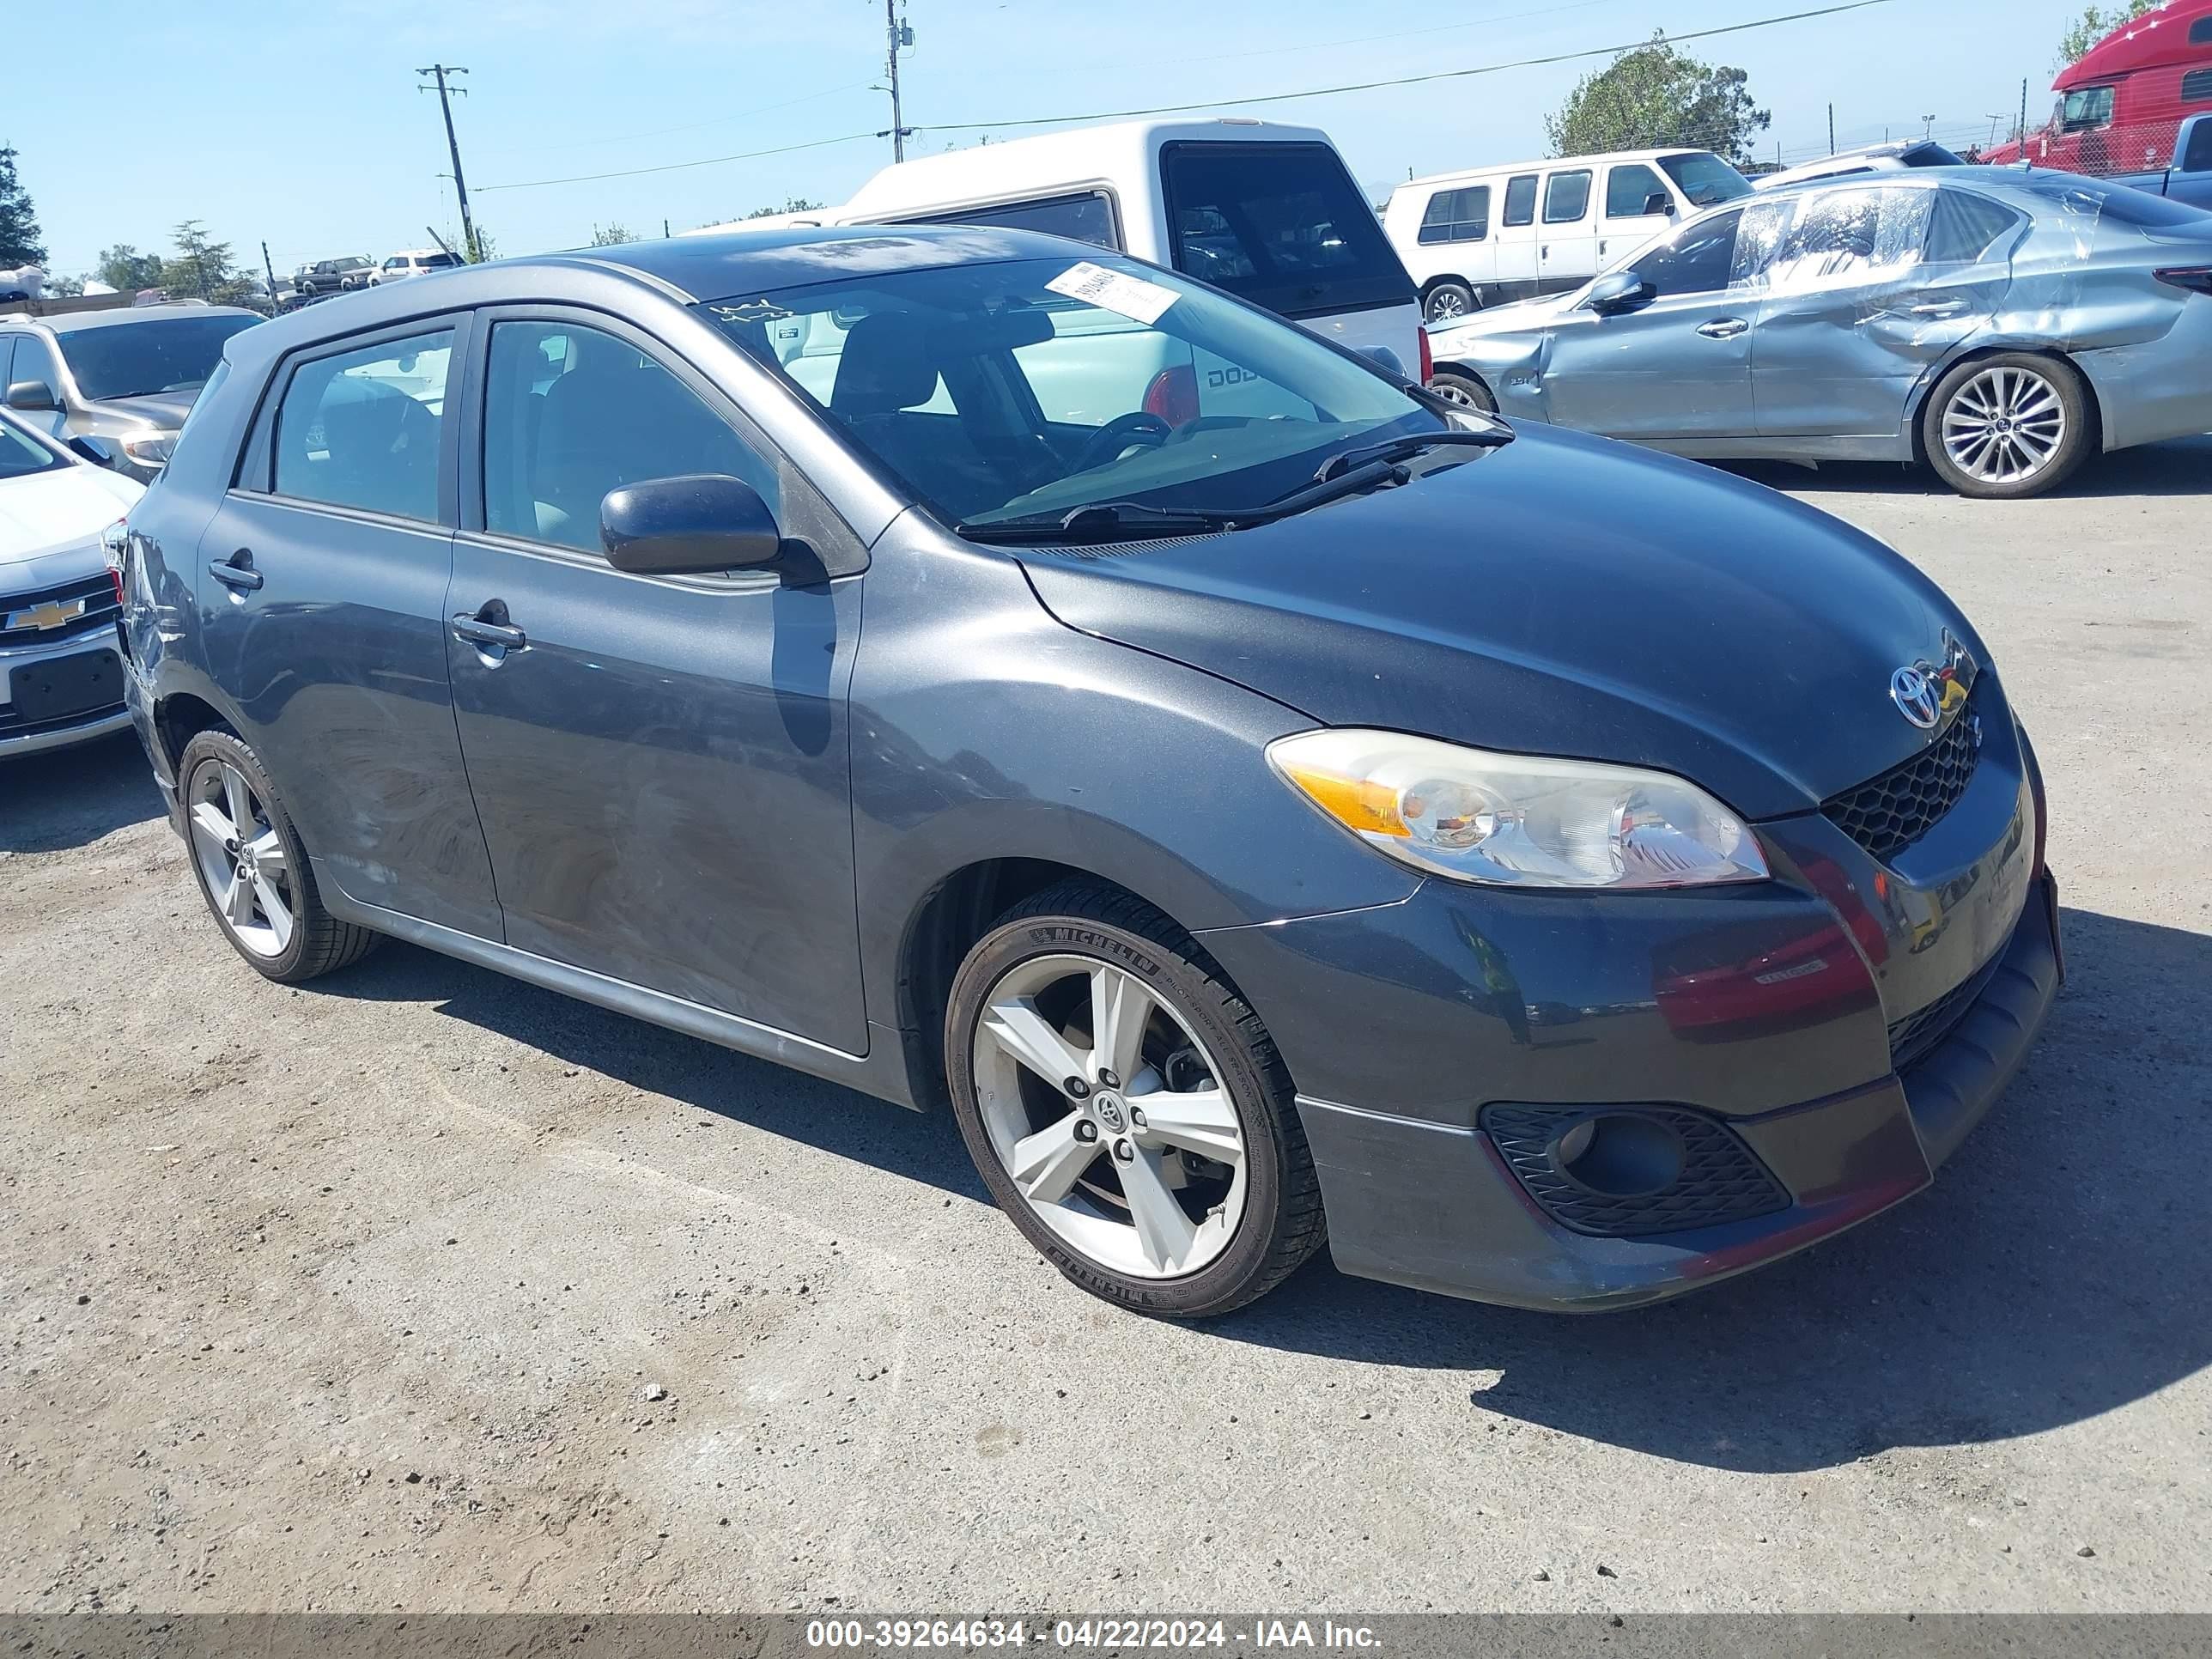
(1705, 179)
(165, 354)
(1003, 390)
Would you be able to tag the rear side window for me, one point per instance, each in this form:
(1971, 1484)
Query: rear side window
(362, 429)
(1965, 226)
(1085, 218)
(1280, 225)
(1628, 189)
(2199, 156)
(1457, 216)
(571, 413)
(1521, 199)
(2197, 86)
(1566, 198)
(2200, 32)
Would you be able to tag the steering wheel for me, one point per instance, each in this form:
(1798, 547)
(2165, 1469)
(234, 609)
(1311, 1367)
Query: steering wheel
(1140, 426)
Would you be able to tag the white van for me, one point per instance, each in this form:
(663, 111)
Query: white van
(1268, 212)
(1497, 234)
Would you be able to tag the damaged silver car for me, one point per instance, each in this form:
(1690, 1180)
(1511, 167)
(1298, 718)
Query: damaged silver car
(1999, 326)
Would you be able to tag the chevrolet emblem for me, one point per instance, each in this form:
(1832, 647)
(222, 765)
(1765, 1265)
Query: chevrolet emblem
(50, 615)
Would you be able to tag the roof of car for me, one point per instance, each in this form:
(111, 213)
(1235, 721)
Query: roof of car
(71, 322)
(1549, 164)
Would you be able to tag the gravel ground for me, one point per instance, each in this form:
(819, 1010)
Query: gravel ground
(423, 1289)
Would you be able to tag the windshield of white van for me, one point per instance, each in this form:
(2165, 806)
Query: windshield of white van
(1704, 178)
(1034, 387)
(1280, 225)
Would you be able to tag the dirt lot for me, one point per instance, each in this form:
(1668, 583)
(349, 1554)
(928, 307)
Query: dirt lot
(353, 1298)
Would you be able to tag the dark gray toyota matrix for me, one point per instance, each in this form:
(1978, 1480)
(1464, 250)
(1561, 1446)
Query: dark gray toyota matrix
(1266, 804)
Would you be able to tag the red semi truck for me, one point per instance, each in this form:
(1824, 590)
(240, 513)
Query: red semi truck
(2120, 107)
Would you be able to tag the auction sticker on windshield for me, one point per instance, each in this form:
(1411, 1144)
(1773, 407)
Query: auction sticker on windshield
(1113, 290)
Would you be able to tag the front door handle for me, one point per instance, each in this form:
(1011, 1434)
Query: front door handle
(489, 628)
(236, 571)
(1723, 328)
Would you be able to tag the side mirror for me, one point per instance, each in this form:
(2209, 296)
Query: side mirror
(688, 525)
(34, 397)
(1618, 291)
(1659, 202)
(97, 450)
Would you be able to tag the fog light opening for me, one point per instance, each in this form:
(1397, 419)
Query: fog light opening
(1620, 1154)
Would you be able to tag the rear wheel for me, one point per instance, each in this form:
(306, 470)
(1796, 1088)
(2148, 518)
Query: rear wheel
(252, 869)
(1447, 301)
(2007, 427)
(1126, 1107)
(1454, 387)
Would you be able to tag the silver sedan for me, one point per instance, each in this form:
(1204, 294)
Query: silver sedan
(2000, 326)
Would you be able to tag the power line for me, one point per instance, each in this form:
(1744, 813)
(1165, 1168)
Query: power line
(687, 126)
(673, 166)
(1402, 34)
(1400, 81)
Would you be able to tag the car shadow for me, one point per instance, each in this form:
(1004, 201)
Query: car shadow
(2181, 466)
(2055, 1271)
(72, 797)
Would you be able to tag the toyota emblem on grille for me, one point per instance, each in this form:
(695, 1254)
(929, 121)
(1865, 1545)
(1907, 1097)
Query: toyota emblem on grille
(1914, 694)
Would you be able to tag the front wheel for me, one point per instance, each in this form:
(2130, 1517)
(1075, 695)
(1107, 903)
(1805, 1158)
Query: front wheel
(1447, 301)
(2007, 427)
(1126, 1107)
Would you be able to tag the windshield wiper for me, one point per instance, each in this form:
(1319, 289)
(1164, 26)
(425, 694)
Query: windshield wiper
(1403, 448)
(1103, 521)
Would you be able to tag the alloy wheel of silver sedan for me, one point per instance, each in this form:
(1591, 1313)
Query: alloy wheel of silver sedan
(241, 857)
(2005, 425)
(1103, 1105)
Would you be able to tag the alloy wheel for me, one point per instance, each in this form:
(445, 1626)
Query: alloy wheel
(1107, 1114)
(2005, 425)
(241, 858)
(1446, 304)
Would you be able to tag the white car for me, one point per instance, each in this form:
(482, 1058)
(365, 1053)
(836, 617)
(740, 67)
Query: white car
(61, 679)
(1268, 212)
(1868, 158)
(414, 262)
(1493, 235)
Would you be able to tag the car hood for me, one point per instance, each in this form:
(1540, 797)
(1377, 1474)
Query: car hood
(58, 514)
(1562, 596)
(164, 409)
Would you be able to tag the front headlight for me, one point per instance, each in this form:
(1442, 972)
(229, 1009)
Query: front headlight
(149, 448)
(1518, 820)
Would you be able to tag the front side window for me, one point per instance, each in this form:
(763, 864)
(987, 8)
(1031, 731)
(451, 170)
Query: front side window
(1085, 218)
(2086, 108)
(1521, 199)
(137, 359)
(361, 428)
(571, 413)
(33, 362)
(1456, 215)
(1860, 233)
(1022, 387)
(1566, 198)
(1629, 189)
(1700, 259)
(1280, 225)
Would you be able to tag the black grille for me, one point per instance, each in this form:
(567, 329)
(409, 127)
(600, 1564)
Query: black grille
(1720, 1179)
(1905, 803)
(101, 611)
(1912, 1038)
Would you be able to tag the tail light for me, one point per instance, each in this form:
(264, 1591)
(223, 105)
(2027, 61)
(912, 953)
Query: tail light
(115, 546)
(2197, 279)
(1428, 357)
(1173, 395)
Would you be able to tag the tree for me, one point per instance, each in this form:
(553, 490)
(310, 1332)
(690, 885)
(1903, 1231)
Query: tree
(19, 224)
(126, 271)
(67, 288)
(2095, 24)
(1655, 98)
(613, 235)
(791, 204)
(204, 269)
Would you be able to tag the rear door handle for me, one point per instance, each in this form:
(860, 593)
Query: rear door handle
(237, 570)
(1940, 308)
(489, 628)
(1723, 328)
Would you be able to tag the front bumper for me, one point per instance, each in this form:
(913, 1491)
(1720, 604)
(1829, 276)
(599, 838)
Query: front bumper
(21, 737)
(1434, 1205)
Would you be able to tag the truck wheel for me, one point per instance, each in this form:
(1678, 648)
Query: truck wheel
(2009, 427)
(1456, 387)
(1447, 301)
(252, 869)
(1126, 1107)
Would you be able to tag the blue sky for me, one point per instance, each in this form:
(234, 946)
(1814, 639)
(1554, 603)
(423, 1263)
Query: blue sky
(301, 123)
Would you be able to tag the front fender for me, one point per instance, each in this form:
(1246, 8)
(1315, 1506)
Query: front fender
(1512, 366)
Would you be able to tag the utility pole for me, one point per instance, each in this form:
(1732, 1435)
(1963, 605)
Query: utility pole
(445, 95)
(899, 35)
(271, 271)
(1927, 128)
(1832, 129)
(2023, 120)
